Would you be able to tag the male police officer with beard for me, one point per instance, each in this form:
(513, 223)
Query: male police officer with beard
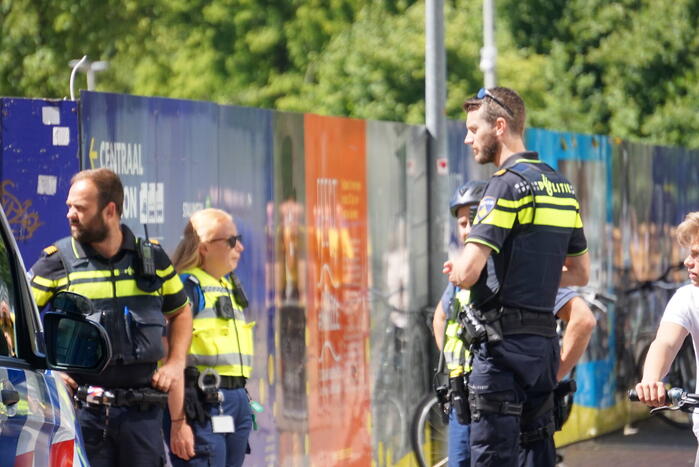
(527, 241)
(134, 289)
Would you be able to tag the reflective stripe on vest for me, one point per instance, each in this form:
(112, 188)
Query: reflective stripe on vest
(224, 344)
(455, 354)
(132, 318)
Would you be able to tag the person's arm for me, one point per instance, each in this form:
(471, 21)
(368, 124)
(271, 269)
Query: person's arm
(662, 351)
(580, 324)
(179, 338)
(465, 270)
(170, 378)
(181, 434)
(439, 323)
(576, 270)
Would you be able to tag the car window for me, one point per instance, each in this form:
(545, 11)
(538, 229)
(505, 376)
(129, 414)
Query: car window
(8, 332)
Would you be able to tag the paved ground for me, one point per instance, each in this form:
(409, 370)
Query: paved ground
(655, 444)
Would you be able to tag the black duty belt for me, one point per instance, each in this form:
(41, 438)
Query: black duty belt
(523, 321)
(232, 382)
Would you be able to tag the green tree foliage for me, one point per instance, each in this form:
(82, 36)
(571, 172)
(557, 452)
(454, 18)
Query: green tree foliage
(628, 68)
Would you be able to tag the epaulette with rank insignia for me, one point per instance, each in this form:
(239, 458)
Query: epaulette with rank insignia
(154, 241)
(49, 250)
(499, 172)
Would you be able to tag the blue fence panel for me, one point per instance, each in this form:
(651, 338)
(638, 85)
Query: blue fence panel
(39, 144)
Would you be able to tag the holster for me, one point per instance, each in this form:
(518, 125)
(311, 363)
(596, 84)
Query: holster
(194, 408)
(458, 392)
(561, 401)
(480, 326)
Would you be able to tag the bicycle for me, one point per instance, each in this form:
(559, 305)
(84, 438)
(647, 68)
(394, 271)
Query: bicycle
(403, 354)
(680, 401)
(430, 433)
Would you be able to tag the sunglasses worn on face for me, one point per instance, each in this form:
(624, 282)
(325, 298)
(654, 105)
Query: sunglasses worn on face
(232, 240)
(483, 93)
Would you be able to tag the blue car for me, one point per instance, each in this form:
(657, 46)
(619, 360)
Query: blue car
(38, 426)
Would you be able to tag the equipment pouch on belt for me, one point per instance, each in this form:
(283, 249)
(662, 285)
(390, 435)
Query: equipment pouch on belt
(480, 327)
(459, 399)
(473, 330)
(194, 408)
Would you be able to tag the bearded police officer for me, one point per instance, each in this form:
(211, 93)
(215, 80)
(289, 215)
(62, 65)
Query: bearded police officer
(134, 289)
(526, 241)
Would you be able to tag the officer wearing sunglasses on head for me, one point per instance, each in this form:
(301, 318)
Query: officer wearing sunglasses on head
(448, 330)
(134, 290)
(527, 240)
(220, 357)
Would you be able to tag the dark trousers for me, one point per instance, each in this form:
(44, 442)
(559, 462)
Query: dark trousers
(520, 369)
(133, 437)
(222, 449)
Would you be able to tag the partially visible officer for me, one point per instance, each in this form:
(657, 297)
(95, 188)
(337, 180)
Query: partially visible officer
(527, 240)
(134, 289)
(568, 307)
(447, 330)
(220, 358)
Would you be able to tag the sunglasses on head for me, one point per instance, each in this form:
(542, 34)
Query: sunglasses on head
(483, 93)
(232, 240)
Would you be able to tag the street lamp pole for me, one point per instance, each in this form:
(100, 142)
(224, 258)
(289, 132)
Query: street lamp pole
(90, 69)
(489, 51)
(436, 123)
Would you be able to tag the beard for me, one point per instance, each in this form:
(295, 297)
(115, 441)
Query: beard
(93, 231)
(489, 150)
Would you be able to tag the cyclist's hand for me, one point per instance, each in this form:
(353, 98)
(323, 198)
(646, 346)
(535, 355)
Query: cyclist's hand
(651, 393)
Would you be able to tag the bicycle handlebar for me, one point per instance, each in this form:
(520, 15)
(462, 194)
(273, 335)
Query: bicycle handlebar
(674, 394)
(679, 400)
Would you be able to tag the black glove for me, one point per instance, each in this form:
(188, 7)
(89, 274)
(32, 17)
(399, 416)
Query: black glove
(193, 406)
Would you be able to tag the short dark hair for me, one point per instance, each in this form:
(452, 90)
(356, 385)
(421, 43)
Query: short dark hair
(494, 110)
(109, 187)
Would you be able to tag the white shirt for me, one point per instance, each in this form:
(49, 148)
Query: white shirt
(683, 309)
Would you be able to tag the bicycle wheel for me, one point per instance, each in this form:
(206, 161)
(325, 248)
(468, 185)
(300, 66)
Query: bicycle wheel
(682, 374)
(430, 433)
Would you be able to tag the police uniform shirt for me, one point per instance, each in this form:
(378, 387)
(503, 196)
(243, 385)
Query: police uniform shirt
(48, 276)
(531, 222)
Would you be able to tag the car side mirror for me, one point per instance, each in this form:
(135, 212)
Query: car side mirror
(73, 342)
(72, 303)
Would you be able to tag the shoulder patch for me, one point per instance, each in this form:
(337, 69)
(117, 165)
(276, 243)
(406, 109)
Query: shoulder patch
(191, 278)
(499, 172)
(486, 205)
(49, 250)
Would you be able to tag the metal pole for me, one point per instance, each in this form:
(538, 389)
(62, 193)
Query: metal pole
(90, 72)
(437, 161)
(489, 52)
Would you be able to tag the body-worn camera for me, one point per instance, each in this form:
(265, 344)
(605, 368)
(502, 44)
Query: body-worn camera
(224, 307)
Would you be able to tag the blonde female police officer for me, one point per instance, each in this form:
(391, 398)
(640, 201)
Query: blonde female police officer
(220, 357)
